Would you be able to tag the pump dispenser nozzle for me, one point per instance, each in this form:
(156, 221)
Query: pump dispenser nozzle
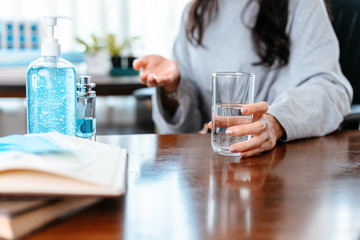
(50, 45)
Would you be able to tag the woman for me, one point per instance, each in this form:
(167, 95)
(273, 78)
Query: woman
(289, 44)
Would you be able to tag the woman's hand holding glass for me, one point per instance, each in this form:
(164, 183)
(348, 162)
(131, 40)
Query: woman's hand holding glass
(264, 128)
(158, 71)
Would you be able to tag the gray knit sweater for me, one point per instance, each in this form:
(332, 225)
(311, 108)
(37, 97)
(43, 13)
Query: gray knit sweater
(309, 97)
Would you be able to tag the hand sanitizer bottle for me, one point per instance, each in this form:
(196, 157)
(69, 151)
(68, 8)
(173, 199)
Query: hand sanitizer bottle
(51, 88)
(86, 119)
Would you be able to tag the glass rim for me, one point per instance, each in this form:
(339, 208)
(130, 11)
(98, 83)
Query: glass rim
(233, 74)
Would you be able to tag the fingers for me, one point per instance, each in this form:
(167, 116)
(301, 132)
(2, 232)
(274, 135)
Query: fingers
(139, 63)
(263, 138)
(158, 71)
(255, 108)
(233, 129)
(162, 80)
(257, 125)
(143, 78)
(253, 143)
(226, 122)
(254, 146)
(253, 152)
(258, 143)
(248, 129)
(152, 80)
(146, 77)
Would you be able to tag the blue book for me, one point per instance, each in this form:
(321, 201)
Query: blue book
(21, 35)
(10, 35)
(34, 36)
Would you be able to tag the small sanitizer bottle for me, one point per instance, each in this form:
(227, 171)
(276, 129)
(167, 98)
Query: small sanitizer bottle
(86, 100)
(51, 88)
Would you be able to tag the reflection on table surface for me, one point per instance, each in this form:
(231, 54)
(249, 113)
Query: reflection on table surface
(179, 189)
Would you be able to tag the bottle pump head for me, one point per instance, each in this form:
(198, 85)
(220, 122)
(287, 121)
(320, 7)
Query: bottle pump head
(50, 46)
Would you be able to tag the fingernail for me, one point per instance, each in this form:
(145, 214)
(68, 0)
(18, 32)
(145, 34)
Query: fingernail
(243, 154)
(229, 131)
(244, 110)
(153, 76)
(232, 149)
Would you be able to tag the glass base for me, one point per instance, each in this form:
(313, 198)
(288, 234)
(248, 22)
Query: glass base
(225, 152)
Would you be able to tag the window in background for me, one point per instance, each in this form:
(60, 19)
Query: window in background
(156, 22)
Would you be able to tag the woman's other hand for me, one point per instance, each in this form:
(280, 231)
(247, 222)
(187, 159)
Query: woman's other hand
(158, 71)
(265, 130)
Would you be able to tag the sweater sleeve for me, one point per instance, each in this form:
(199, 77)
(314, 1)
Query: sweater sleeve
(187, 117)
(321, 96)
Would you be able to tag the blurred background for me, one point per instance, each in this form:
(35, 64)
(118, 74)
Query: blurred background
(101, 41)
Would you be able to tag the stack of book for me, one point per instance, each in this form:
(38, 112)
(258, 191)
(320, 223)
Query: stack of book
(19, 217)
(75, 174)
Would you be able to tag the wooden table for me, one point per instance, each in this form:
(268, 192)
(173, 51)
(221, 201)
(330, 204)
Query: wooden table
(105, 86)
(179, 189)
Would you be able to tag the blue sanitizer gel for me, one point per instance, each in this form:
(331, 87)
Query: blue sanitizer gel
(51, 96)
(51, 88)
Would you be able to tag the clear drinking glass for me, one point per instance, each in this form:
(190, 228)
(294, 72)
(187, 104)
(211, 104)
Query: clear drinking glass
(231, 91)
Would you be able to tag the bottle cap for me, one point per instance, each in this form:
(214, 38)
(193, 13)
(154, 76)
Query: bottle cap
(84, 85)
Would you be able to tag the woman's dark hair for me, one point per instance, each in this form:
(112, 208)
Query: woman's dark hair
(270, 40)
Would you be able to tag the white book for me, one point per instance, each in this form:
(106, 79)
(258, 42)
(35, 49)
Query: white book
(89, 169)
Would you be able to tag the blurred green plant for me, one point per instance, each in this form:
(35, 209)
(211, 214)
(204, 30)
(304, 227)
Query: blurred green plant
(94, 46)
(116, 49)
